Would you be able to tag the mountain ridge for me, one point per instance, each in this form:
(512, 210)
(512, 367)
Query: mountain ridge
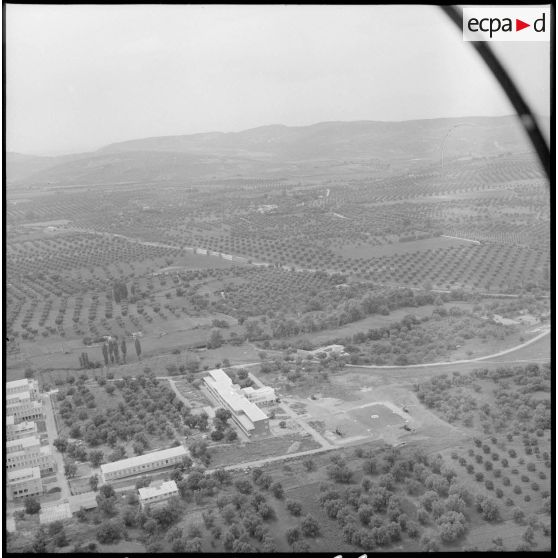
(361, 144)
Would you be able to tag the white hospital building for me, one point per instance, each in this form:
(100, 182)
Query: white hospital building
(141, 464)
(244, 404)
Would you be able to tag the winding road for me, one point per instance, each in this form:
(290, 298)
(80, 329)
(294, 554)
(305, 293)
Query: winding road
(453, 362)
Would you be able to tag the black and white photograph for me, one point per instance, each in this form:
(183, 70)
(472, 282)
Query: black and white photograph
(278, 278)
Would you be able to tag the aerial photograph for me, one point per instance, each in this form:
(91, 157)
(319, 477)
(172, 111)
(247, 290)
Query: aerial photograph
(277, 279)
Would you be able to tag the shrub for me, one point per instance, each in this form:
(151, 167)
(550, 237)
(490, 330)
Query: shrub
(309, 526)
(110, 532)
(294, 507)
(31, 505)
(429, 543)
(309, 465)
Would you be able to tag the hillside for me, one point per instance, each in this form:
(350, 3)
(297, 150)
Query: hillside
(274, 149)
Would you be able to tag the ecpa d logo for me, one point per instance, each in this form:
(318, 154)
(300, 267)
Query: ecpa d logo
(507, 24)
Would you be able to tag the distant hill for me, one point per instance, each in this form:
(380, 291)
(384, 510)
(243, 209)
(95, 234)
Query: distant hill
(275, 149)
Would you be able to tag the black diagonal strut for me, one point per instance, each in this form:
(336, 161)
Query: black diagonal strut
(519, 104)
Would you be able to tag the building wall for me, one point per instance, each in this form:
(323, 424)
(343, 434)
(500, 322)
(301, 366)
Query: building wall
(23, 460)
(24, 411)
(158, 499)
(222, 403)
(26, 487)
(260, 427)
(15, 433)
(31, 387)
(143, 468)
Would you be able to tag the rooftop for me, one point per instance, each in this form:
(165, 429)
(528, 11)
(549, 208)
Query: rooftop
(55, 513)
(143, 459)
(265, 391)
(87, 500)
(221, 382)
(151, 491)
(24, 474)
(25, 425)
(15, 384)
(14, 398)
(28, 441)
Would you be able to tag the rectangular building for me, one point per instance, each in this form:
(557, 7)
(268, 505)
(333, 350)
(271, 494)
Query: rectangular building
(141, 464)
(152, 495)
(23, 386)
(29, 444)
(31, 456)
(20, 430)
(246, 415)
(262, 397)
(24, 482)
(23, 407)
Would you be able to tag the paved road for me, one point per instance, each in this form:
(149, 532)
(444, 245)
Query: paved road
(468, 361)
(52, 432)
(266, 460)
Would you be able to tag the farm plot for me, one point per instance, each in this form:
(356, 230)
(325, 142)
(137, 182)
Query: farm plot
(363, 251)
(508, 412)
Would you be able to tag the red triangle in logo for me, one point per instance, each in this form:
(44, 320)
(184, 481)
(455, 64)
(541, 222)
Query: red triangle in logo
(519, 25)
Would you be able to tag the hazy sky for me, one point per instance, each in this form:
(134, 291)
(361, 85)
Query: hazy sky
(79, 77)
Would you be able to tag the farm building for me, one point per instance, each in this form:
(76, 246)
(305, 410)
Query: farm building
(151, 495)
(24, 482)
(245, 414)
(20, 430)
(142, 463)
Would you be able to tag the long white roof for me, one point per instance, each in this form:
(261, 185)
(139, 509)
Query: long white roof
(143, 459)
(14, 384)
(14, 398)
(221, 382)
(28, 441)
